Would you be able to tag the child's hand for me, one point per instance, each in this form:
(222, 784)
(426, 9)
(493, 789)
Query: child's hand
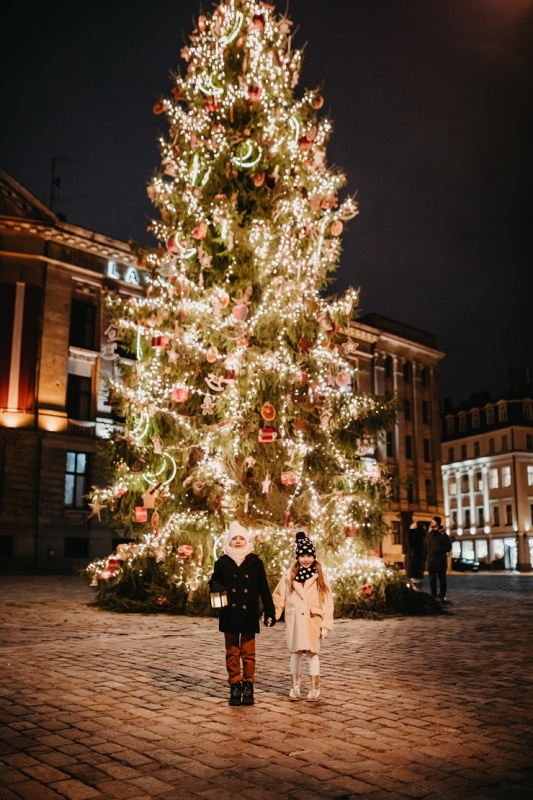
(323, 633)
(270, 621)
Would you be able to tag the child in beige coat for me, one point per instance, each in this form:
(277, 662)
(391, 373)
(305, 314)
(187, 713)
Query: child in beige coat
(305, 595)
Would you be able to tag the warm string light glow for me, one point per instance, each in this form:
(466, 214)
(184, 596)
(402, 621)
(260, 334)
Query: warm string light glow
(239, 401)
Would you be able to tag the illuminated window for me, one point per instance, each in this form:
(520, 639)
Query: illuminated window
(502, 412)
(464, 483)
(76, 480)
(506, 476)
(396, 532)
(479, 481)
(475, 419)
(490, 415)
(494, 482)
(529, 475)
(452, 486)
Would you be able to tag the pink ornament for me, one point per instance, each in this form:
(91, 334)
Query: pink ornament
(212, 354)
(267, 435)
(289, 478)
(367, 589)
(200, 231)
(185, 551)
(343, 379)
(160, 341)
(180, 394)
(140, 514)
(223, 298)
(240, 311)
(336, 227)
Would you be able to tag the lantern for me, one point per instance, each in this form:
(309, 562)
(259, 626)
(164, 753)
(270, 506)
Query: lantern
(218, 599)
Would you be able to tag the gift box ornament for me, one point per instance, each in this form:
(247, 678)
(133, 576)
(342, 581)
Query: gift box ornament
(185, 551)
(141, 514)
(160, 341)
(289, 478)
(267, 435)
(219, 599)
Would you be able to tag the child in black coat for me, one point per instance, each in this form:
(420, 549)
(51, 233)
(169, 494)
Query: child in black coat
(242, 575)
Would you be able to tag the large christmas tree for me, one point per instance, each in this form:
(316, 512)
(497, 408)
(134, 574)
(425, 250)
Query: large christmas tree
(239, 398)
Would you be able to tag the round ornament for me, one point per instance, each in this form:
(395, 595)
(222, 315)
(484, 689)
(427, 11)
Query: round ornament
(336, 227)
(268, 412)
(211, 354)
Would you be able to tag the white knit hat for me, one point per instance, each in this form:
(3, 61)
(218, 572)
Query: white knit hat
(236, 529)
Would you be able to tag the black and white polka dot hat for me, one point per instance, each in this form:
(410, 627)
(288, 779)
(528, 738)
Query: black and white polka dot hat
(304, 545)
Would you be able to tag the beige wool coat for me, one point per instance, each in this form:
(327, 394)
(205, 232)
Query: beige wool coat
(305, 612)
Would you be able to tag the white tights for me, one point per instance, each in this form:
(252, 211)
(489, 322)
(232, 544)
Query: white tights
(314, 663)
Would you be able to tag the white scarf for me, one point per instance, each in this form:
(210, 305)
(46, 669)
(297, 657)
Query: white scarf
(238, 554)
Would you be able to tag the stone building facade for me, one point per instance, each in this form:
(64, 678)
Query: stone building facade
(487, 470)
(54, 411)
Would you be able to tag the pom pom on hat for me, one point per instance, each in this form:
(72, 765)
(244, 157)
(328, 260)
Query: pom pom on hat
(304, 545)
(236, 529)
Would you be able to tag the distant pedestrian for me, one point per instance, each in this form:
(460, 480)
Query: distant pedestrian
(416, 552)
(439, 545)
(305, 595)
(241, 574)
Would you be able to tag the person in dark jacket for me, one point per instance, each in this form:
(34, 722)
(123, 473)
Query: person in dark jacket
(416, 552)
(438, 545)
(242, 575)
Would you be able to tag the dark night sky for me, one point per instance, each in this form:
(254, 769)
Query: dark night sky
(432, 110)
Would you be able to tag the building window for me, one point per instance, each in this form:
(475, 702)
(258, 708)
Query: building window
(76, 480)
(396, 532)
(427, 450)
(452, 486)
(454, 519)
(76, 547)
(407, 372)
(494, 482)
(464, 483)
(529, 441)
(479, 481)
(462, 422)
(388, 366)
(450, 425)
(490, 415)
(508, 514)
(463, 452)
(502, 412)
(451, 455)
(430, 492)
(79, 390)
(425, 412)
(424, 376)
(496, 516)
(475, 419)
(527, 410)
(492, 447)
(411, 493)
(389, 445)
(529, 475)
(408, 447)
(468, 520)
(506, 476)
(477, 450)
(407, 409)
(82, 325)
(480, 517)
(504, 444)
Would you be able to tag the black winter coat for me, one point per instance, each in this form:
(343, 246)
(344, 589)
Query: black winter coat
(245, 584)
(438, 545)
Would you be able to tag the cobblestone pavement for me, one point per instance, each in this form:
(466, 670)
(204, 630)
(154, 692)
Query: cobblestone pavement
(101, 705)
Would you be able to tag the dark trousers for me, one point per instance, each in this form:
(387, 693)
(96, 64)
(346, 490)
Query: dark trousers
(439, 574)
(240, 647)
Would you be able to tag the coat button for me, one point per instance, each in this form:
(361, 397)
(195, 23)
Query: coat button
(233, 605)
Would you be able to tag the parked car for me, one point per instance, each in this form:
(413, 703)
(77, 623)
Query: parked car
(465, 565)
